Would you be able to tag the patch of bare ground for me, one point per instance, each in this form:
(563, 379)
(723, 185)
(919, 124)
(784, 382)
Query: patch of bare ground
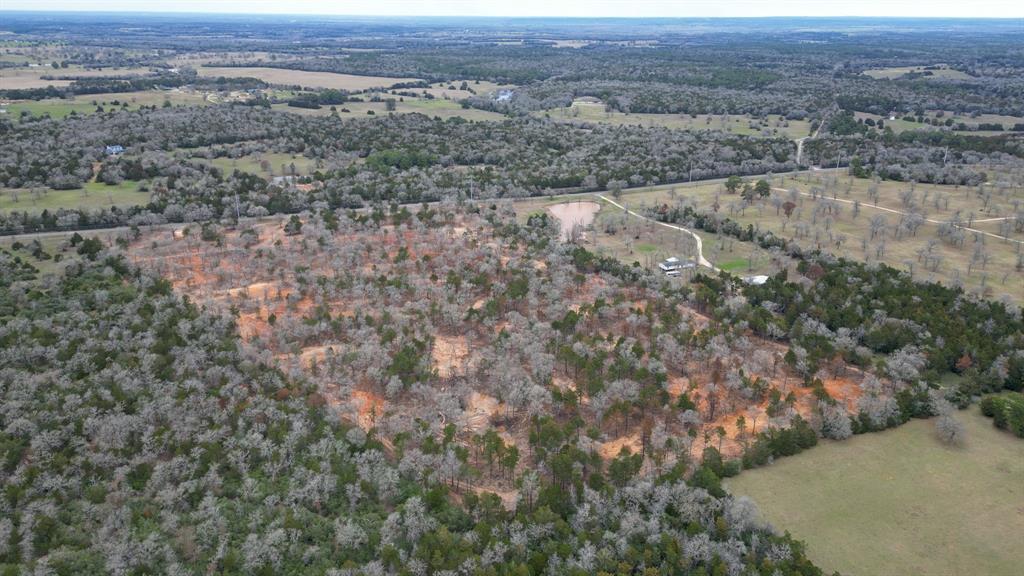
(449, 355)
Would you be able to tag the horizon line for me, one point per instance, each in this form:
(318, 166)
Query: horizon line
(495, 17)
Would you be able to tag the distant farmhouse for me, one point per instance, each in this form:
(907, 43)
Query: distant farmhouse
(114, 150)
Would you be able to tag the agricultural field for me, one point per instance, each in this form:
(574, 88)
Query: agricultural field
(837, 213)
(33, 77)
(89, 103)
(939, 71)
(303, 78)
(901, 502)
(91, 195)
(771, 125)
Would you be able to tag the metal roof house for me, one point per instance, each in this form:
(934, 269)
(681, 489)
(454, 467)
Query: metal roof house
(114, 149)
(674, 264)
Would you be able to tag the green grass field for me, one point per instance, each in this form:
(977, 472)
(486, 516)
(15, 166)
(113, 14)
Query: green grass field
(772, 125)
(92, 195)
(88, 104)
(900, 502)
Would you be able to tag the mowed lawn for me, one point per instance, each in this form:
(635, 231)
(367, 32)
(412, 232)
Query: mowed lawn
(900, 502)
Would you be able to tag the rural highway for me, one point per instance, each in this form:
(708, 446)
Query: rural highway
(700, 244)
(929, 220)
(24, 236)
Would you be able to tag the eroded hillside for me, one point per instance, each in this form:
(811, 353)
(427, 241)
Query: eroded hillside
(444, 325)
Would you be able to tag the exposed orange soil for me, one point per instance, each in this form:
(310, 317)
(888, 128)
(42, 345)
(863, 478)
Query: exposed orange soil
(677, 385)
(481, 408)
(369, 407)
(449, 355)
(611, 449)
(295, 282)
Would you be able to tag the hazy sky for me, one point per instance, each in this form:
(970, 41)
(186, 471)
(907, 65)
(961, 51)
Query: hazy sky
(645, 8)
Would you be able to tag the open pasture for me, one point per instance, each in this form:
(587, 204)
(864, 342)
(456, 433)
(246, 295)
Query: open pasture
(38, 76)
(437, 107)
(89, 103)
(772, 125)
(839, 214)
(91, 195)
(899, 124)
(453, 90)
(901, 502)
(303, 78)
(633, 240)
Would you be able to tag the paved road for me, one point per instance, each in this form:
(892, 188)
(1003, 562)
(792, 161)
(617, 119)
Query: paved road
(700, 244)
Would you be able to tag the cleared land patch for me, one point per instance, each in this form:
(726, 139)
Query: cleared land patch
(939, 71)
(900, 502)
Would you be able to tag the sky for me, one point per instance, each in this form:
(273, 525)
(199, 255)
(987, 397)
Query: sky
(579, 8)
